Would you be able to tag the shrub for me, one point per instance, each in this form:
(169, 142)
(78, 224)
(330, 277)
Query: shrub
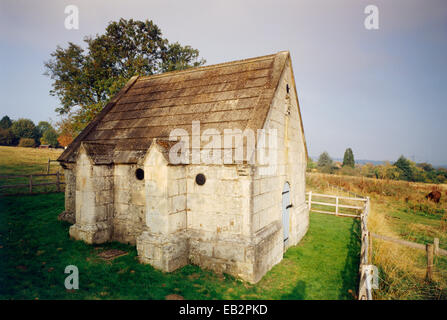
(27, 143)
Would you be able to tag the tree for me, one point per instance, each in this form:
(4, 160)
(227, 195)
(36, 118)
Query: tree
(404, 167)
(66, 132)
(427, 167)
(325, 163)
(64, 140)
(324, 160)
(348, 158)
(84, 80)
(5, 123)
(43, 126)
(179, 58)
(7, 138)
(24, 128)
(49, 137)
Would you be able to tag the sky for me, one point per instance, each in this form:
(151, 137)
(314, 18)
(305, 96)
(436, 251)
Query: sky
(380, 92)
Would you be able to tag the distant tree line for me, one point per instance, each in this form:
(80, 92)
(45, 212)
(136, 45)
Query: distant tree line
(24, 133)
(402, 169)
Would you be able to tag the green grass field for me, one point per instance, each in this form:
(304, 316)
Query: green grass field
(17, 160)
(26, 161)
(35, 249)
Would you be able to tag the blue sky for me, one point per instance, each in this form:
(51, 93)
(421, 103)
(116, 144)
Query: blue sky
(381, 92)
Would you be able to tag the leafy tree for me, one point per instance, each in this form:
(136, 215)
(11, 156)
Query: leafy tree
(425, 166)
(24, 128)
(64, 140)
(49, 137)
(5, 123)
(179, 58)
(84, 80)
(348, 158)
(404, 166)
(7, 138)
(66, 131)
(324, 160)
(325, 163)
(419, 175)
(388, 171)
(43, 126)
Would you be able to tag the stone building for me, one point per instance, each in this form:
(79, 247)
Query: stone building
(121, 184)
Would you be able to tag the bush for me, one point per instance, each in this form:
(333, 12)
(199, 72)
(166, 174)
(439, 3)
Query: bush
(27, 143)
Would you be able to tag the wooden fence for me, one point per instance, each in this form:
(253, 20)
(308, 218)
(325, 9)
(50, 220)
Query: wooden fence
(31, 183)
(337, 204)
(366, 269)
(49, 164)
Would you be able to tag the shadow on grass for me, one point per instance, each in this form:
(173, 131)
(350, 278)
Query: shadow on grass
(352, 262)
(298, 292)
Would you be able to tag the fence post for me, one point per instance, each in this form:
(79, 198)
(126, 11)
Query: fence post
(336, 206)
(48, 166)
(429, 248)
(310, 199)
(31, 183)
(58, 182)
(436, 246)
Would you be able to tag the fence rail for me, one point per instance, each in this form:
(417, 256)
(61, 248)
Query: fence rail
(338, 205)
(31, 183)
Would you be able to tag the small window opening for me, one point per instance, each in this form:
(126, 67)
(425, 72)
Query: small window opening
(200, 179)
(287, 88)
(139, 173)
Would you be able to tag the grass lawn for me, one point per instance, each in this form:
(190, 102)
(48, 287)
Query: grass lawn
(35, 249)
(26, 161)
(17, 160)
(414, 225)
(400, 210)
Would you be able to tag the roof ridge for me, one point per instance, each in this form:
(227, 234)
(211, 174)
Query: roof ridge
(212, 66)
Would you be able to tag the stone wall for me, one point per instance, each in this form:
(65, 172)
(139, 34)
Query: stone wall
(164, 242)
(267, 189)
(129, 203)
(94, 201)
(69, 214)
